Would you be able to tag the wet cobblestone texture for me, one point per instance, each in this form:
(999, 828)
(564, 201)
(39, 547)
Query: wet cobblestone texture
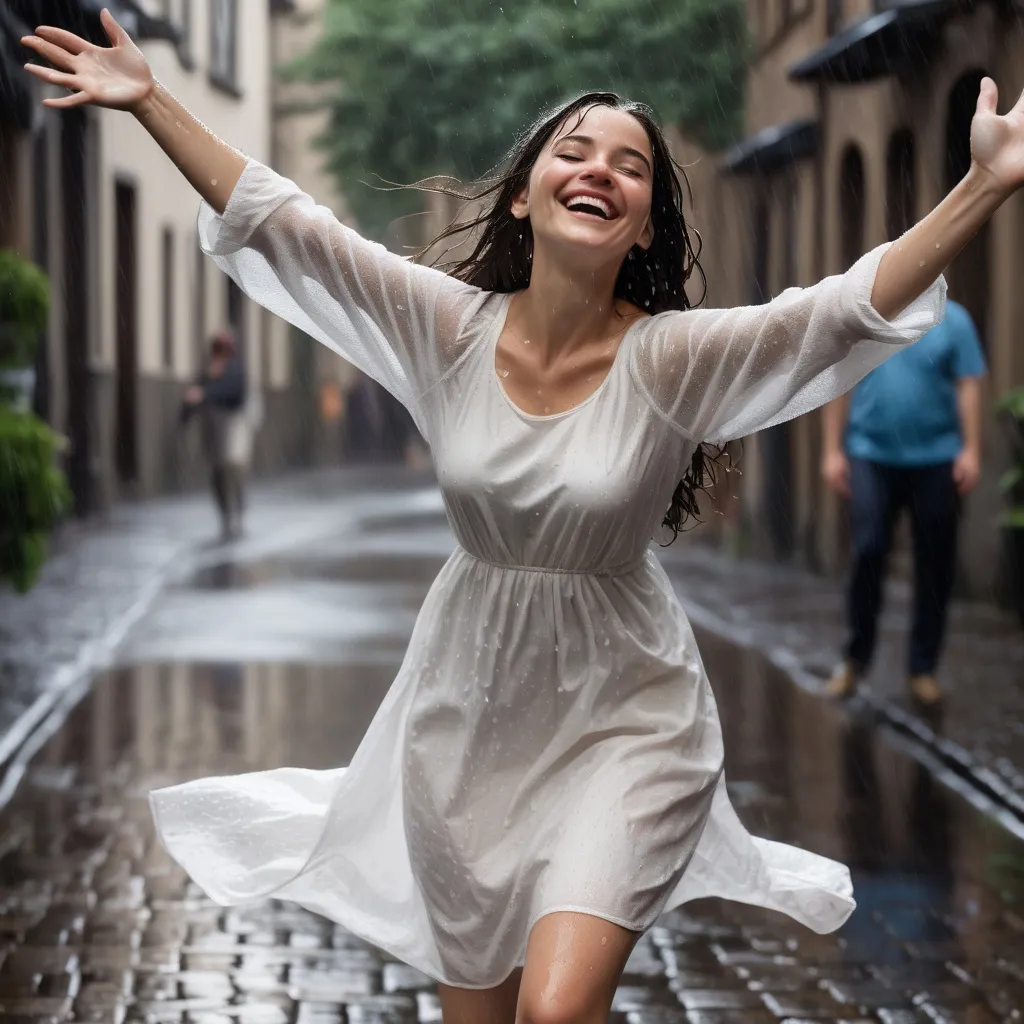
(104, 574)
(97, 925)
(798, 619)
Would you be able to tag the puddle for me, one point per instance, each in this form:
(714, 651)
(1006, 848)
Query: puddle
(799, 770)
(933, 876)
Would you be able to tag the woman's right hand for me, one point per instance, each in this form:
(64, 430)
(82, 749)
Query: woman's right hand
(116, 76)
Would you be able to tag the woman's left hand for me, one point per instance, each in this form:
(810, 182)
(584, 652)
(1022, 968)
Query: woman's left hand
(997, 141)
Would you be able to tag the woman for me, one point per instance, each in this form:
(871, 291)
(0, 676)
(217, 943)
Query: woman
(545, 776)
(221, 396)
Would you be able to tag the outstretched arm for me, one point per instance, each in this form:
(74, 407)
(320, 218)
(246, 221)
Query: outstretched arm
(118, 76)
(722, 374)
(398, 322)
(997, 170)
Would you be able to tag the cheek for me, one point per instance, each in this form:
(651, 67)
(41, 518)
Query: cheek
(639, 198)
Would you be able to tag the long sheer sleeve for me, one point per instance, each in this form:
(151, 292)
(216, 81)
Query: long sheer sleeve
(397, 321)
(721, 374)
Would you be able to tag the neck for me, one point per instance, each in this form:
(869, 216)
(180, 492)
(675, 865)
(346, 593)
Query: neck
(563, 307)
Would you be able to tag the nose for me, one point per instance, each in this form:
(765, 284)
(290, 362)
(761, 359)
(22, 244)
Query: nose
(597, 171)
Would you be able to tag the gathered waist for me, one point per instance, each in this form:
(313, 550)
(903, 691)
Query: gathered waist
(621, 569)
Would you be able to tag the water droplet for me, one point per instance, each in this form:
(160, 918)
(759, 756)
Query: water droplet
(547, 408)
(604, 940)
(213, 181)
(589, 379)
(526, 341)
(922, 263)
(505, 373)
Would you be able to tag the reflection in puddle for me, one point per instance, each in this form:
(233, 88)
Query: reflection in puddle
(360, 568)
(927, 866)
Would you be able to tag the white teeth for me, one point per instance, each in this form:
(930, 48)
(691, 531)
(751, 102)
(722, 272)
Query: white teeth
(604, 207)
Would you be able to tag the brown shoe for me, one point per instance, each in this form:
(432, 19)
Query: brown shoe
(925, 690)
(844, 681)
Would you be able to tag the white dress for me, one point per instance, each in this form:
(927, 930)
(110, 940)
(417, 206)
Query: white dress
(551, 741)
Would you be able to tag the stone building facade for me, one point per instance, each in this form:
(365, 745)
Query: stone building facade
(856, 125)
(94, 202)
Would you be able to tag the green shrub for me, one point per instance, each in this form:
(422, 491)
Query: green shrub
(33, 494)
(24, 310)
(1011, 483)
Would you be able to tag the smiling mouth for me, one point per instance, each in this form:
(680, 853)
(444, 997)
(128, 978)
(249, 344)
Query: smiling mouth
(590, 206)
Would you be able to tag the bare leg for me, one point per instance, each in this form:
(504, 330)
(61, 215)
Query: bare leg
(573, 966)
(481, 1006)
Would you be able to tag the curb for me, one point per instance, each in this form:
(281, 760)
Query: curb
(66, 685)
(954, 756)
(943, 752)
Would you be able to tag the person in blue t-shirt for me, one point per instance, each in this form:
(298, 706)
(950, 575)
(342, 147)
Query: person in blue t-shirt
(907, 438)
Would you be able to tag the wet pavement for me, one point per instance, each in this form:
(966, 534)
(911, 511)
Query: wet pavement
(104, 575)
(281, 653)
(798, 620)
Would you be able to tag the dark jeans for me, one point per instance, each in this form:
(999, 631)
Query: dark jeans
(879, 493)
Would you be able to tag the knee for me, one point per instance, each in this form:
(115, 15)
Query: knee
(557, 1006)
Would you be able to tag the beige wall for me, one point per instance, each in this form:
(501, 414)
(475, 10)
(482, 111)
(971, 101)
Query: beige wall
(164, 198)
(865, 116)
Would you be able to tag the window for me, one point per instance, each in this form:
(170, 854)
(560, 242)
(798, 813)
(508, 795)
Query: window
(167, 266)
(178, 13)
(224, 43)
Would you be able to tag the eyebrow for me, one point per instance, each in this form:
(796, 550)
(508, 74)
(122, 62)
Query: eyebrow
(628, 150)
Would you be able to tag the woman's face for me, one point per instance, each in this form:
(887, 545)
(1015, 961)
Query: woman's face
(590, 189)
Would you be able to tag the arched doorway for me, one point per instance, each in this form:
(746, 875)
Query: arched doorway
(852, 206)
(774, 444)
(968, 277)
(852, 197)
(900, 189)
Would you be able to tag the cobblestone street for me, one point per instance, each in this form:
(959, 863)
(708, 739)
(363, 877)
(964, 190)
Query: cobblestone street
(279, 651)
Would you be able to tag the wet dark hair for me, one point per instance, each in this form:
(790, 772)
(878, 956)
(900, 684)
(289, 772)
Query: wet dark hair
(652, 279)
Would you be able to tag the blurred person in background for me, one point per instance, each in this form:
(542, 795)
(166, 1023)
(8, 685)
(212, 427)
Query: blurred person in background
(545, 776)
(909, 437)
(227, 415)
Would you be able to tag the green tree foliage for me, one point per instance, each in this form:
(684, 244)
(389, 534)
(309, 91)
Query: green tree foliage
(33, 491)
(33, 494)
(422, 87)
(24, 309)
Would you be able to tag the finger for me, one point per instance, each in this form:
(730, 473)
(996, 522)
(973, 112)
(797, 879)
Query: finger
(52, 76)
(988, 97)
(56, 55)
(68, 40)
(77, 100)
(115, 33)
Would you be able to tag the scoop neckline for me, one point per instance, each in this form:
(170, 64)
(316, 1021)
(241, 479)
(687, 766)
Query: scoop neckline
(500, 322)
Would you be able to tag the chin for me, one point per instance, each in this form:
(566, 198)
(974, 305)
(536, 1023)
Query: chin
(584, 243)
